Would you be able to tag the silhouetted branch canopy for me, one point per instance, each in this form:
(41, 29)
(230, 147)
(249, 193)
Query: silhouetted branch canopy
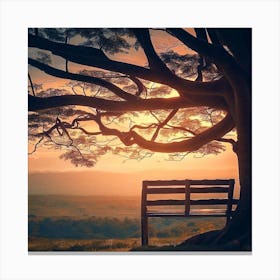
(102, 90)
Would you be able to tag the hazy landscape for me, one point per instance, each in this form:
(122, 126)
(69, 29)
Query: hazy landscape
(102, 223)
(123, 182)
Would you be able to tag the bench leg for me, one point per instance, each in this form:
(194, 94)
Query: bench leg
(144, 230)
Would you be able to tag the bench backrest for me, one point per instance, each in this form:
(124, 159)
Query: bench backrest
(185, 187)
(189, 187)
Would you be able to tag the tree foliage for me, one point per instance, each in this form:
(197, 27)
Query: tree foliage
(86, 133)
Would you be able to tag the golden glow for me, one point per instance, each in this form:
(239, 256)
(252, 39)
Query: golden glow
(130, 172)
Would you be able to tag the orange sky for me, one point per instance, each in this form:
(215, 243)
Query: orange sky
(111, 175)
(223, 165)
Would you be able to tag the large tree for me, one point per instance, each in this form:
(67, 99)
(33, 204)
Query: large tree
(175, 103)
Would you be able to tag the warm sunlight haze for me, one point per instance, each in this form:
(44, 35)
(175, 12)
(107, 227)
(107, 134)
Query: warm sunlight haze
(139, 139)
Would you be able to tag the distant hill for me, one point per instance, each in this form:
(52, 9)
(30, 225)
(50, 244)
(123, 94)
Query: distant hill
(110, 183)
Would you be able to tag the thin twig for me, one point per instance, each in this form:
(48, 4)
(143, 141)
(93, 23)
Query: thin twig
(31, 84)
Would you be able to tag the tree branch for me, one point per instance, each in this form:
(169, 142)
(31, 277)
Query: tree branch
(96, 58)
(31, 84)
(78, 77)
(231, 141)
(182, 129)
(36, 145)
(162, 124)
(38, 103)
(201, 34)
(155, 63)
(215, 52)
(189, 145)
(140, 86)
(213, 36)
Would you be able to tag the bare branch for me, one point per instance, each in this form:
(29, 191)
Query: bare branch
(231, 141)
(162, 124)
(31, 84)
(88, 132)
(74, 91)
(226, 140)
(136, 126)
(36, 146)
(182, 129)
(140, 86)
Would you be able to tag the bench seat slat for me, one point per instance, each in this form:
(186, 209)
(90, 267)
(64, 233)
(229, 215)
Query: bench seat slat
(154, 214)
(192, 202)
(212, 201)
(194, 213)
(207, 211)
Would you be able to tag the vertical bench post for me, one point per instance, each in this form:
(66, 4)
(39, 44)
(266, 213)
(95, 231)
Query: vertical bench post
(144, 218)
(187, 198)
(230, 197)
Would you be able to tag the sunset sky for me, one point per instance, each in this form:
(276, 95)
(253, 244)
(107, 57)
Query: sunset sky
(108, 169)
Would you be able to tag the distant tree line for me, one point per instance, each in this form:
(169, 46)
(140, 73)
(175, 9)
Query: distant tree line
(105, 227)
(85, 228)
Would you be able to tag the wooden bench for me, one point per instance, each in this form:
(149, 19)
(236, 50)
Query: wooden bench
(219, 207)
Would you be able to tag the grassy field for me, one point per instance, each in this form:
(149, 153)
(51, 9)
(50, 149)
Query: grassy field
(37, 244)
(84, 206)
(81, 223)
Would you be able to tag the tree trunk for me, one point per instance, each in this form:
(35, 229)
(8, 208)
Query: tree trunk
(237, 234)
(240, 227)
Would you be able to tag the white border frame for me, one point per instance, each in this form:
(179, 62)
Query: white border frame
(16, 16)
